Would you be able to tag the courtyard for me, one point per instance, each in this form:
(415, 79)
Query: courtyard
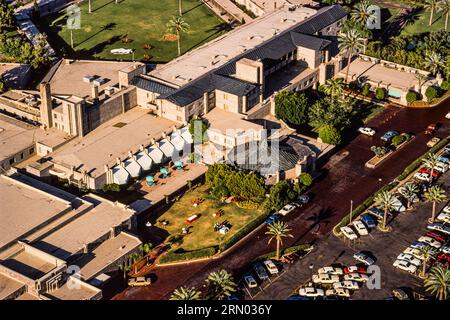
(139, 25)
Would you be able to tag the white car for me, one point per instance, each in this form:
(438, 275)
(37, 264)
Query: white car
(422, 176)
(351, 285)
(443, 216)
(417, 253)
(446, 249)
(447, 116)
(360, 227)
(410, 258)
(331, 270)
(311, 292)
(358, 277)
(271, 267)
(441, 167)
(439, 227)
(446, 209)
(340, 292)
(349, 233)
(121, 51)
(250, 281)
(325, 278)
(364, 258)
(430, 241)
(405, 265)
(287, 208)
(367, 131)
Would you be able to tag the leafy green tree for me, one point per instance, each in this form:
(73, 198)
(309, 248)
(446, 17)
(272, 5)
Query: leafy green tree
(380, 93)
(337, 114)
(280, 194)
(7, 21)
(184, 293)
(386, 201)
(198, 136)
(431, 93)
(445, 85)
(411, 190)
(330, 135)
(398, 140)
(365, 90)
(2, 85)
(411, 96)
(277, 231)
(433, 62)
(361, 12)
(430, 162)
(435, 194)
(291, 107)
(220, 284)
(334, 88)
(438, 282)
(305, 179)
(179, 26)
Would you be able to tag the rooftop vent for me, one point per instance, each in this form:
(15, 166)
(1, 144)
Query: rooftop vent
(99, 81)
(88, 79)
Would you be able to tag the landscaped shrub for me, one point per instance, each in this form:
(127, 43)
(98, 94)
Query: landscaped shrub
(379, 151)
(411, 96)
(305, 179)
(380, 94)
(330, 135)
(114, 187)
(174, 256)
(365, 90)
(431, 93)
(247, 205)
(301, 247)
(397, 140)
(445, 85)
(353, 85)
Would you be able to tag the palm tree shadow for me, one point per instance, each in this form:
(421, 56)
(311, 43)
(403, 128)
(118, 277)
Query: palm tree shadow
(107, 27)
(106, 4)
(193, 8)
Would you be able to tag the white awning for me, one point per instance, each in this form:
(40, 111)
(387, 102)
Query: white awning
(167, 148)
(133, 168)
(156, 154)
(120, 175)
(177, 141)
(187, 136)
(144, 160)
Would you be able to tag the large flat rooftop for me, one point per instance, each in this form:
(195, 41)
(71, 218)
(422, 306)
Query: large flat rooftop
(112, 140)
(82, 292)
(221, 120)
(228, 47)
(29, 265)
(8, 286)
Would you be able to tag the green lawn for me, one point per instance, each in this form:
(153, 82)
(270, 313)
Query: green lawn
(421, 21)
(201, 232)
(142, 21)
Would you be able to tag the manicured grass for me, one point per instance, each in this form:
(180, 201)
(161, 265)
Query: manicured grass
(201, 232)
(420, 24)
(142, 21)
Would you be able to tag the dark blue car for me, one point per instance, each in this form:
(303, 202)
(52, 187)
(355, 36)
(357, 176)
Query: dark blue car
(389, 135)
(368, 221)
(273, 218)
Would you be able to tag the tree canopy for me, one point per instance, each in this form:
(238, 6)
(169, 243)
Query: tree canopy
(291, 107)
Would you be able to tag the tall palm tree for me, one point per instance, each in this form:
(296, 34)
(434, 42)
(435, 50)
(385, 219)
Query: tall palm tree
(435, 194)
(386, 201)
(178, 25)
(180, 8)
(438, 282)
(183, 293)
(444, 6)
(426, 252)
(125, 268)
(146, 248)
(430, 163)
(351, 42)
(89, 6)
(221, 283)
(431, 5)
(333, 88)
(421, 79)
(411, 190)
(433, 62)
(278, 230)
(361, 12)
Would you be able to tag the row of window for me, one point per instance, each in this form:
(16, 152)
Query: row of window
(21, 157)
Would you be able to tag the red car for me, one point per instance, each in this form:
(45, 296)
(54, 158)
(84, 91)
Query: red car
(441, 263)
(444, 257)
(355, 269)
(428, 171)
(436, 236)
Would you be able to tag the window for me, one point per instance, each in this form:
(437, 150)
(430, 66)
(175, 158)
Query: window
(31, 150)
(55, 116)
(11, 161)
(21, 156)
(225, 107)
(225, 96)
(178, 108)
(179, 118)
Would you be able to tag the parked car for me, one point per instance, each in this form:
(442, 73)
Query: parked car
(439, 227)
(355, 269)
(445, 249)
(433, 142)
(400, 294)
(422, 176)
(250, 281)
(418, 245)
(340, 292)
(377, 213)
(447, 116)
(273, 218)
(428, 172)
(260, 271)
(405, 266)
(271, 266)
(303, 199)
(325, 278)
(436, 235)
(431, 129)
(410, 258)
(311, 292)
(441, 167)
(360, 228)
(364, 258)
(297, 297)
(331, 270)
(356, 277)
(442, 264)
(417, 253)
(367, 131)
(287, 208)
(446, 209)
(397, 205)
(389, 135)
(350, 285)
(139, 282)
(444, 159)
(368, 221)
(349, 233)
(444, 257)
(430, 241)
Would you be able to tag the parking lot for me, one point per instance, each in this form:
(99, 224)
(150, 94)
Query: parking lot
(385, 247)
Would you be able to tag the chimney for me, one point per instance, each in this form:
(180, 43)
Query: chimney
(94, 92)
(46, 104)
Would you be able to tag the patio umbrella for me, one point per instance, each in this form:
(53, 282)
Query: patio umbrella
(179, 164)
(150, 178)
(164, 170)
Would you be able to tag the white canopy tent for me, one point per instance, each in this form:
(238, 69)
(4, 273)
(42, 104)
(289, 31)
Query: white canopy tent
(156, 154)
(120, 175)
(144, 160)
(133, 168)
(177, 140)
(167, 148)
(186, 135)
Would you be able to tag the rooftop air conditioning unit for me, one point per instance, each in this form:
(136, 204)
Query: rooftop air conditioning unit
(88, 79)
(99, 81)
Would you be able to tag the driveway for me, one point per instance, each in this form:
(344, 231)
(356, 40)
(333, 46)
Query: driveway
(344, 178)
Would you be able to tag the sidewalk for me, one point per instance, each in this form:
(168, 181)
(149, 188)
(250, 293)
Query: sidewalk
(221, 6)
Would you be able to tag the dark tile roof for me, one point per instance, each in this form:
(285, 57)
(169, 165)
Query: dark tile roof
(232, 85)
(151, 85)
(323, 18)
(308, 41)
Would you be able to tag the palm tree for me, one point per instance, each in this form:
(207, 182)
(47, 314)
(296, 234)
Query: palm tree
(178, 25)
(146, 248)
(431, 5)
(430, 163)
(421, 79)
(435, 194)
(221, 283)
(411, 190)
(385, 200)
(444, 6)
(334, 88)
(125, 268)
(89, 7)
(183, 293)
(361, 12)
(278, 230)
(180, 8)
(438, 282)
(351, 42)
(433, 62)
(427, 252)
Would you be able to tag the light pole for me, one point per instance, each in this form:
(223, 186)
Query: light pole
(351, 210)
(311, 267)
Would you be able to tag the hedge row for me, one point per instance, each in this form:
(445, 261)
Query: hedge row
(408, 170)
(301, 247)
(243, 231)
(173, 256)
